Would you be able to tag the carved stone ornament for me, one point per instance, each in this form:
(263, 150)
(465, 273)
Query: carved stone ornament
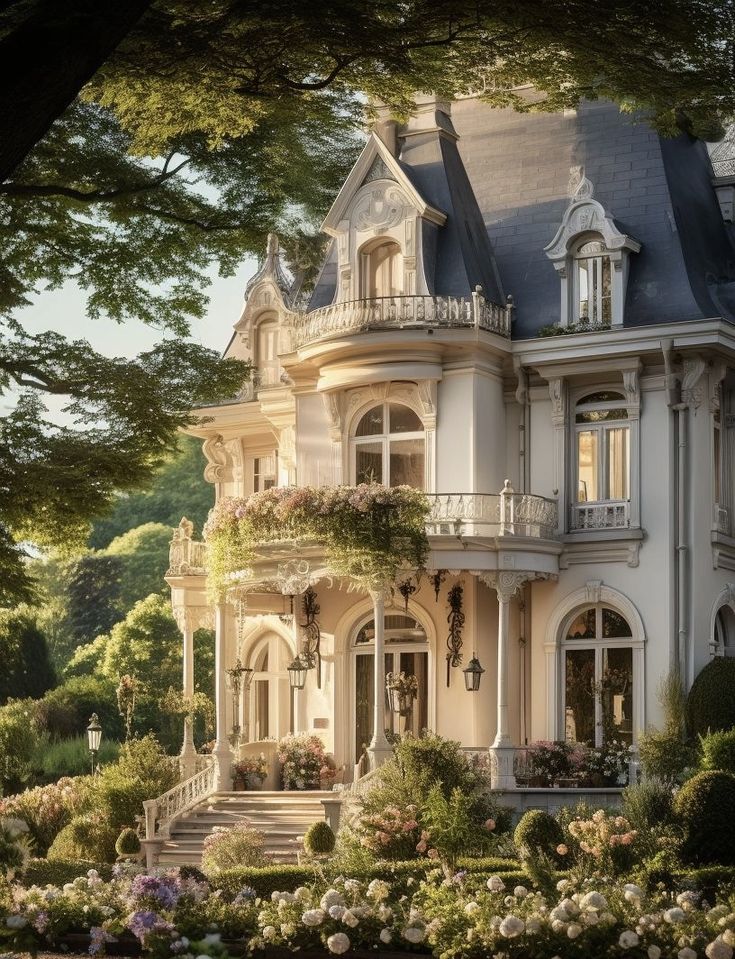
(579, 187)
(380, 208)
(334, 406)
(558, 397)
(378, 171)
(692, 383)
(506, 583)
(294, 576)
(217, 459)
(632, 389)
(593, 589)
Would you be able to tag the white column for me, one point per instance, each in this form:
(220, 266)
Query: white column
(222, 751)
(187, 759)
(502, 751)
(379, 749)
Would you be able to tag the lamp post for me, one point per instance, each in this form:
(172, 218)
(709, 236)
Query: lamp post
(94, 736)
(238, 678)
(473, 674)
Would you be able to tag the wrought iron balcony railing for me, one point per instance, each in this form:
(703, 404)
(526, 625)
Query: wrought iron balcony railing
(399, 313)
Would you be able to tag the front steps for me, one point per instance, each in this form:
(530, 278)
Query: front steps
(284, 817)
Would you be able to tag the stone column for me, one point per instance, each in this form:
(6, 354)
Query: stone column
(379, 749)
(222, 751)
(502, 752)
(187, 758)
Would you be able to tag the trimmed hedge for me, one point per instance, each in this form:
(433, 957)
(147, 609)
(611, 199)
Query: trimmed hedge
(286, 878)
(718, 750)
(538, 831)
(56, 872)
(711, 704)
(705, 806)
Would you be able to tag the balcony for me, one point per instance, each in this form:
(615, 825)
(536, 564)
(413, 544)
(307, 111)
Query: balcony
(492, 514)
(399, 313)
(596, 516)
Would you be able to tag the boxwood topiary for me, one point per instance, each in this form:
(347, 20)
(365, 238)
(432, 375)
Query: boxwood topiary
(711, 703)
(85, 837)
(319, 839)
(128, 844)
(705, 806)
(718, 750)
(538, 831)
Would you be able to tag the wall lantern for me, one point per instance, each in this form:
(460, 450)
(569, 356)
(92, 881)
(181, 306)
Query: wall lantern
(297, 673)
(473, 675)
(94, 737)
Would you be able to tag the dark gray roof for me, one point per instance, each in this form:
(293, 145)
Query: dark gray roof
(510, 171)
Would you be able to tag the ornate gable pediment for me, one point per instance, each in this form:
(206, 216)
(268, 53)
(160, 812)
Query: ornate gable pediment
(376, 165)
(583, 215)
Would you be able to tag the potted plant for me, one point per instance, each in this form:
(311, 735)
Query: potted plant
(249, 773)
(302, 758)
(550, 762)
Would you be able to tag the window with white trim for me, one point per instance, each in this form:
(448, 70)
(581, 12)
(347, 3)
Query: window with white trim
(724, 638)
(601, 494)
(592, 284)
(266, 360)
(598, 677)
(382, 269)
(265, 472)
(389, 446)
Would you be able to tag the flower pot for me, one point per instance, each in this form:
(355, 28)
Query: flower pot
(253, 782)
(239, 784)
(597, 780)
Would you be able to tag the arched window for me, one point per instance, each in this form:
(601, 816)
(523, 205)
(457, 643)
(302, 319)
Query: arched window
(724, 638)
(270, 709)
(388, 446)
(407, 651)
(592, 284)
(266, 358)
(602, 462)
(597, 677)
(382, 265)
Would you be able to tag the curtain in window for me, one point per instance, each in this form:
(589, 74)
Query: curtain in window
(617, 462)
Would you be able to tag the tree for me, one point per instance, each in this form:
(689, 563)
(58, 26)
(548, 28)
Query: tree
(179, 489)
(93, 596)
(27, 670)
(143, 556)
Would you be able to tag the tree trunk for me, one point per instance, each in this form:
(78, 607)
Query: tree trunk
(49, 51)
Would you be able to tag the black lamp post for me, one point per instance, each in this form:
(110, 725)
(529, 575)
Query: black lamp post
(473, 674)
(94, 736)
(297, 673)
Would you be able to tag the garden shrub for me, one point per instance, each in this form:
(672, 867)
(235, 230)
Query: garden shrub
(718, 750)
(537, 832)
(705, 806)
(711, 704)
(18, 740)
(227, 847)
(64, 712)
(56, 872)
(649, 807)
(68, 757)
(127, 845)
(302, 758)
(15, 847)
(143, 771)
(47, 809)
(319, 839)
(264, 880)
(665, 756)
(86, 837)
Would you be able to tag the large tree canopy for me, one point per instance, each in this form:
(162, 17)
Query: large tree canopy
(210, 124)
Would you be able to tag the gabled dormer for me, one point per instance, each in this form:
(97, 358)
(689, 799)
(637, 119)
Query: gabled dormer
(378, 222)
(268, 298)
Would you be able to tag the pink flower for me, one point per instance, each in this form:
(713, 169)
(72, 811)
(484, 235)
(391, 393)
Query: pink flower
(561, 849)
(489, 824)
(421, 846)
(432, 854)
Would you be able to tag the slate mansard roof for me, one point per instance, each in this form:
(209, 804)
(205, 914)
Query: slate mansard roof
(504, 187)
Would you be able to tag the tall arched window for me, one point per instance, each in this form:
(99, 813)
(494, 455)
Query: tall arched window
(388, 446)
(592, 284)
(407, 651)
(602, 462)
(266, 359)
(724, 638)
(382, 265)
(270, 708)
(597, 677)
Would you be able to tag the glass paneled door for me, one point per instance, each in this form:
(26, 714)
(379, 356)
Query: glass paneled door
(406, 651)
(270, 709)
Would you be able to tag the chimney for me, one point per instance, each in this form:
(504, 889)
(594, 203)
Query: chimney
(386, 127)
(431, 114)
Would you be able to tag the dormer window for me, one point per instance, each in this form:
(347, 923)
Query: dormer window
(591, 257)
(382, 269)
(593, 284)
(266, 359)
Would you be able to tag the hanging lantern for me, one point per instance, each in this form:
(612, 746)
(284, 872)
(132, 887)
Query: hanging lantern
(473, 674)
(297, 673)
(239, 676)
(402, 690)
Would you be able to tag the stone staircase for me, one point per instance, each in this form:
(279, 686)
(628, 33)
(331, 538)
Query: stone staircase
(284, 817)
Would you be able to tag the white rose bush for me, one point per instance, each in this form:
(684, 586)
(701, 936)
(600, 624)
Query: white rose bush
(167, 914)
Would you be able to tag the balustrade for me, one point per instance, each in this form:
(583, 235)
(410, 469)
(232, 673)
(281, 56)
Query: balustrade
(161, 812)
(399, 312)
(600, 515)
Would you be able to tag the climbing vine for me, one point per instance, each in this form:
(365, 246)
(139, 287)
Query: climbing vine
(369, 532)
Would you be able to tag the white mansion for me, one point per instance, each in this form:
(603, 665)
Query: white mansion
(532, 318)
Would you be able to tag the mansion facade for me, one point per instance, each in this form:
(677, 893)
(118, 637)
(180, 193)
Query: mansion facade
(531, 317)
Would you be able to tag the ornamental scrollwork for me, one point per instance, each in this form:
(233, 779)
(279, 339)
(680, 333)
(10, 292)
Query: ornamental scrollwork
(455, 618)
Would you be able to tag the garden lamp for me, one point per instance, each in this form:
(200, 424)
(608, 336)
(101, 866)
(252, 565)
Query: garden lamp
(297, 673)
(473, 674)
(94, 736)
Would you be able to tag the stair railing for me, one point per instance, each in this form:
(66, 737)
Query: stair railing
(162, 812)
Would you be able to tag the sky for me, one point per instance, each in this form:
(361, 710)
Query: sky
(64, 312)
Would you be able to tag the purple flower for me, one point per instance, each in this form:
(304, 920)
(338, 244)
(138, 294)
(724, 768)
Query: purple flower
(165, 889)
(98, 937)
